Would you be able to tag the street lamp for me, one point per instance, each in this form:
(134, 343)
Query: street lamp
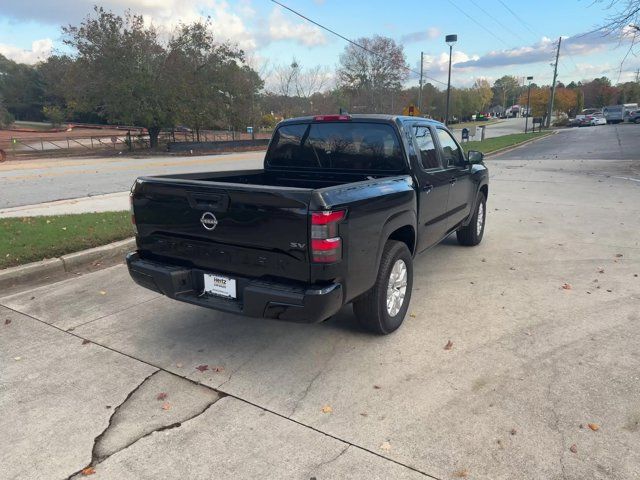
(450, 40)
(526, 119)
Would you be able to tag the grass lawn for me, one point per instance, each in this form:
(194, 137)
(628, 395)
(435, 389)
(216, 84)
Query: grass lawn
(492, 144)
(28, 239)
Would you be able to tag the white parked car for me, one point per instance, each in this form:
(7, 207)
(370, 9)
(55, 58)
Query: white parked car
(598, 120)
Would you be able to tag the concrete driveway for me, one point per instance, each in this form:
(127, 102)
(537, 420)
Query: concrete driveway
(542, 380)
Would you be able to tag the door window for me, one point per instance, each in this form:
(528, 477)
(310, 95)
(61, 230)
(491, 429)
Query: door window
(428, 156)
(452, 155)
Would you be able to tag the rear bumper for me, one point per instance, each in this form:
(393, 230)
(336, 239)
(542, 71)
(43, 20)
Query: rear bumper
(256, 298)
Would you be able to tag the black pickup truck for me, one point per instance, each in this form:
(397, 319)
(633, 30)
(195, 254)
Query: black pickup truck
(336, 215)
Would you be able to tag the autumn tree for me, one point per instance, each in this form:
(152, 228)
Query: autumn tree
(482, 89)
(372, 73)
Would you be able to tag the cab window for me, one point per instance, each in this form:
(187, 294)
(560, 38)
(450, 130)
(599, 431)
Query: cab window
(452, 155)
(424, 140)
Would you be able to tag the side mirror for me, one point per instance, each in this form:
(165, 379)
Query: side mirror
(475, 157)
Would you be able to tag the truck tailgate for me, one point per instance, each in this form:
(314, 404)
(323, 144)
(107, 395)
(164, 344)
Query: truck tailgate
(252, 230)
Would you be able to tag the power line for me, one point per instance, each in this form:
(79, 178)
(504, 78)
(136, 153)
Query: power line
(497, 21)
(479, 24)
(517, 17)
(349, 40)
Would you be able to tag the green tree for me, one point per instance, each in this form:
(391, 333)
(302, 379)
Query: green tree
(54, 114)
(506, 90)
(119, 71)
(6, 118)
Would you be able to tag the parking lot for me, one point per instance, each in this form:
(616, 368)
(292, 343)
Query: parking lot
(541, 379)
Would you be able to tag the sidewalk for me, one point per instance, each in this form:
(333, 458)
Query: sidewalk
(111, 202)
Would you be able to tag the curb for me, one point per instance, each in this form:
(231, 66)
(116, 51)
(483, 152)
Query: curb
(35, 272)
(513, 147)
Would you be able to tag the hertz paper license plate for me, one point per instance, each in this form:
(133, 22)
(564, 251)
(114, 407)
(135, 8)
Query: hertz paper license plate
(219, 285)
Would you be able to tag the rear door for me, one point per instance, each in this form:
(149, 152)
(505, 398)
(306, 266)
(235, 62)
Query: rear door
(254, 231)
(433, 192)
(462, 191)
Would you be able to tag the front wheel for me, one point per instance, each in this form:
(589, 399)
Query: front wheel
(382, 309)
(471, 235)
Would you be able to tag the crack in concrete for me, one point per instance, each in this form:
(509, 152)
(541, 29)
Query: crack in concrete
(556, 418)
(315, 377)
(97, 459)
(331, 460)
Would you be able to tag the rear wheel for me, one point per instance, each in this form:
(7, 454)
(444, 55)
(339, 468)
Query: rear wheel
(471, 235)
(382, 309)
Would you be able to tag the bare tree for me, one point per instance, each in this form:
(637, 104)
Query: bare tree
(625, 23)
(373, 69)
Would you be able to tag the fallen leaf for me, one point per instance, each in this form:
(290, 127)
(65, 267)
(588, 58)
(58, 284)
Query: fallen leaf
(64, 228)
(483, 260)
(364, 414)
(88, 471)
(17, 358)
(512, 268)
(609, 290)
(593, 426)
(7, 321)
(566, 286)
(619, 255)
(85, 341)
(102, 292)
(202, 368)
(573, 448)
(386, 446)
(527, 333)
(513, 431)
(161, 396)
(449, 345)
(327, 409)
(166, 406)
(600, 270)
(377, 387)
(464, 473)
(217, 369)
(179, 365)
(412, 315)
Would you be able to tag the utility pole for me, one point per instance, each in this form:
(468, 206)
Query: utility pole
(553, 86)
(420, 91)
(637, 75)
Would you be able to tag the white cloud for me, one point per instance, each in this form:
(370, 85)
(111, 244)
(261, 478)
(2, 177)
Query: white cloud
(281, 28)
(227, 19)
(40, 50)
(421, 36)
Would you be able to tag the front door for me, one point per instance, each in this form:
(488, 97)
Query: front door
(462, 191)
(434, 181)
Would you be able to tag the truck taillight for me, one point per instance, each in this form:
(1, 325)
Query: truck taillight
(326, 245)
(133, 217)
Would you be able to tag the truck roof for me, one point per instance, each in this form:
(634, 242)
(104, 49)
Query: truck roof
(376, 117)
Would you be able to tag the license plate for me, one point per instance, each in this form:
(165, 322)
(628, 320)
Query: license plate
(219, 285)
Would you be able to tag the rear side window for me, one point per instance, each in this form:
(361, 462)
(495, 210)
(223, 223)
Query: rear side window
(451, 152)
(428, 156)
(337, 145)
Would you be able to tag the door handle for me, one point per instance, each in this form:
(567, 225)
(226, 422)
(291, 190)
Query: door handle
(427, 188)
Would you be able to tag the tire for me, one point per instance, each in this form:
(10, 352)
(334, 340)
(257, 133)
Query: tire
(472, 234)
(371, 307)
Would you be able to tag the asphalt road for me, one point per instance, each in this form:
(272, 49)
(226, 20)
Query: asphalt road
(31, 182)
(604, 142)
(542, 380)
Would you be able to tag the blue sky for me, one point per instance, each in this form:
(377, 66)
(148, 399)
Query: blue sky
(492, 41)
